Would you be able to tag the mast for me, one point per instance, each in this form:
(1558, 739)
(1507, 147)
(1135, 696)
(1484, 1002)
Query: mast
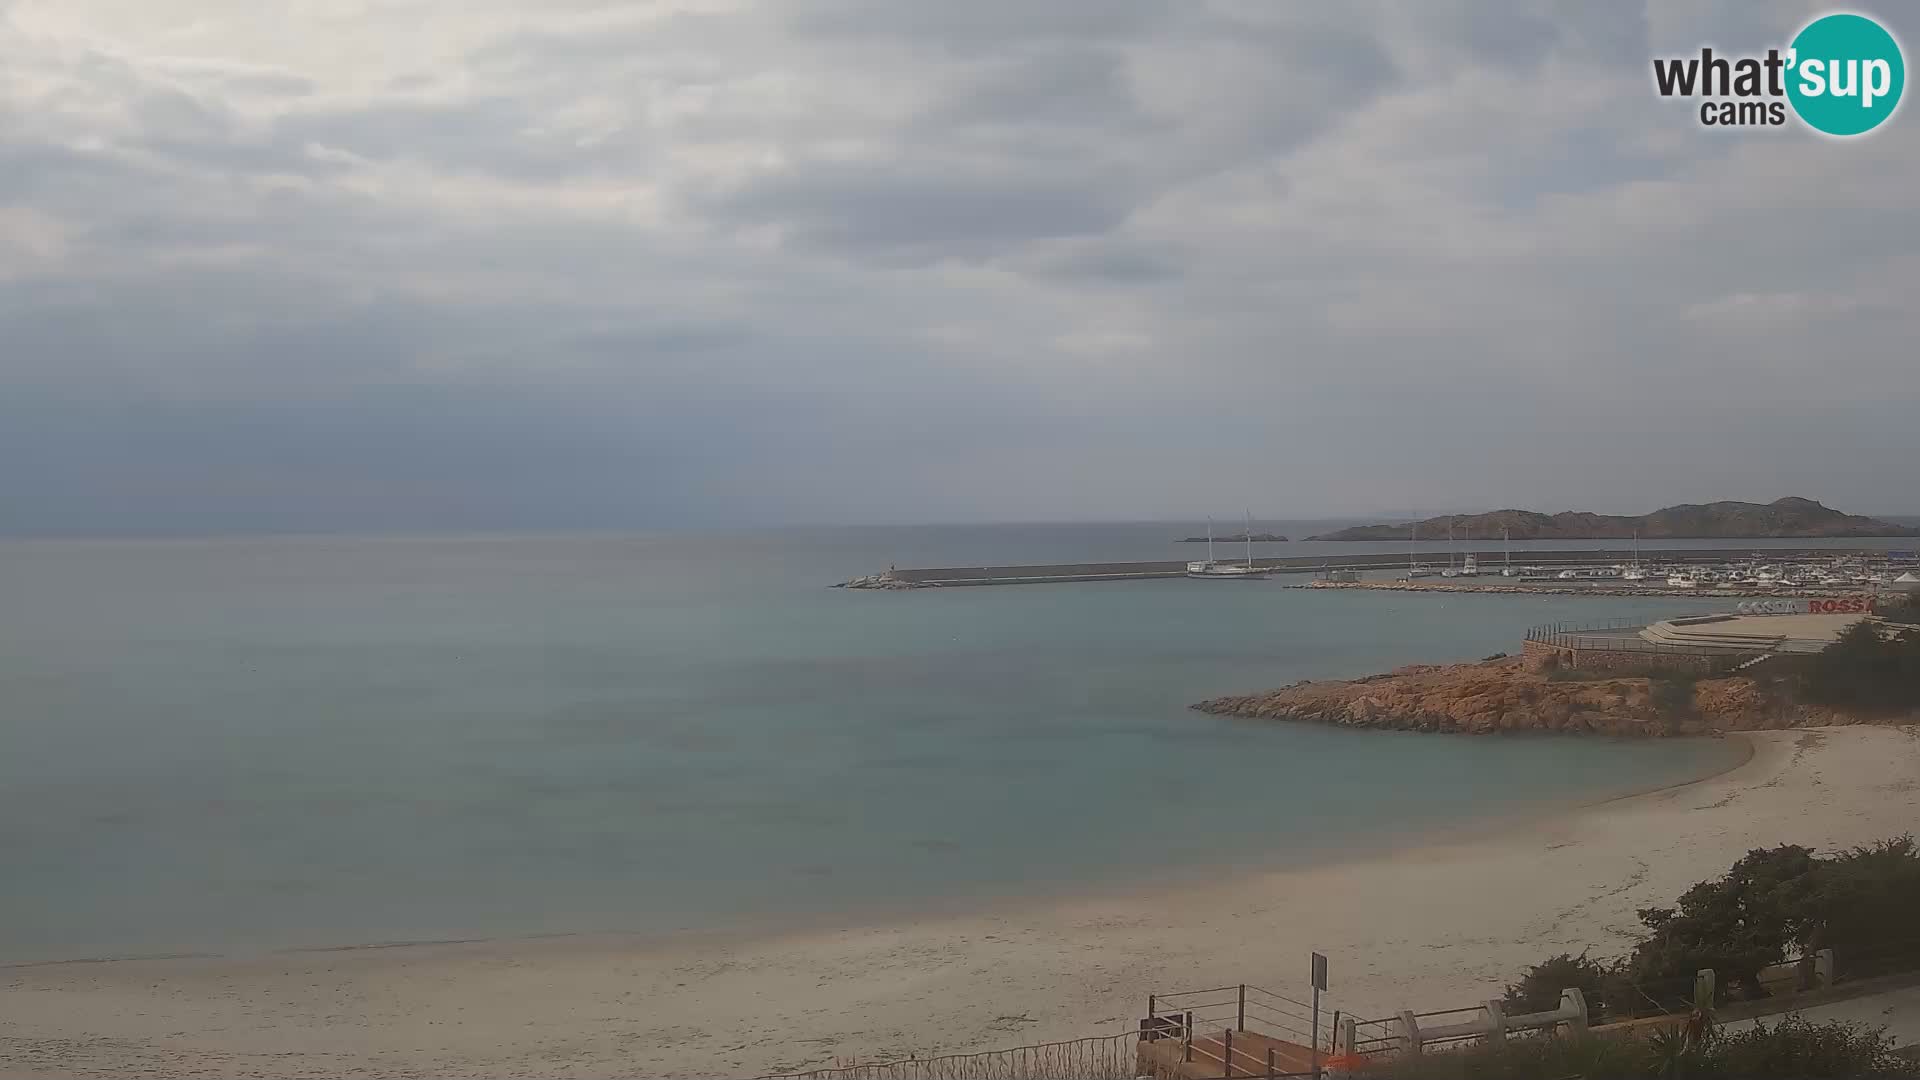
(1506, 539)
(1209, 538)
(1249, 514)
(1449, 541)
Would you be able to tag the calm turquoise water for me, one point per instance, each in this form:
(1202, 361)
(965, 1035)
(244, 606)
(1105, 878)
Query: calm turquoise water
(242, 744)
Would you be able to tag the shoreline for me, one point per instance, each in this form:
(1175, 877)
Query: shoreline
(752, 929)
(1488, 904)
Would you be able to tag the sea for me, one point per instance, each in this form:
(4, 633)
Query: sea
(239, 745)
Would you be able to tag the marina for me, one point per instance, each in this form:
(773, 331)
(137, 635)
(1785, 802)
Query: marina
(1675, 571)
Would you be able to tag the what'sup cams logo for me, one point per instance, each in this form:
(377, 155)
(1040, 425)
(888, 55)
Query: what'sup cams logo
(1842, 75)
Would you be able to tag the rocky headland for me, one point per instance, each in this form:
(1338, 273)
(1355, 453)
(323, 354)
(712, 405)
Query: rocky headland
(1790, 517)
(1507, 695)
(1236, 538)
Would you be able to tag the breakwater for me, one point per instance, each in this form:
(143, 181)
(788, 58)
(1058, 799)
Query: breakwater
(1554, 587)
(1369, 562)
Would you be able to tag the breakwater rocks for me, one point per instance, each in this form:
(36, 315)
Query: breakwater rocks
(1505, 695)
(886, 580)
(1457, 586)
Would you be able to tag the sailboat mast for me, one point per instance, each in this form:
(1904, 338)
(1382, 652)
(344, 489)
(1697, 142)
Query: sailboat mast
(1249, 514)
(1209, 537)
(1506, 539)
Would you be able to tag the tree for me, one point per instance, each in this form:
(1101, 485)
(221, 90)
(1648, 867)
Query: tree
(1735, 924)
(1539, 989)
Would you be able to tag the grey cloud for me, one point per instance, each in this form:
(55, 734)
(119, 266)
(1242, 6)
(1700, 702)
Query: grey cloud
(989, 259)
(1112, 262)
(917, 216)
(978, 25)
(1074, 87)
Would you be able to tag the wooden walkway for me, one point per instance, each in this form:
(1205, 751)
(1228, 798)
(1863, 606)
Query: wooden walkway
(1169, 1057)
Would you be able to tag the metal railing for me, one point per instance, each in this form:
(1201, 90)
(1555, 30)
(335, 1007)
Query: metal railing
(1232, 1031)
(1100, 1057)
(1589, 635)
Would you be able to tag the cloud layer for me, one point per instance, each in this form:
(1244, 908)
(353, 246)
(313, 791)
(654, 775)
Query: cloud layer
(553, 263)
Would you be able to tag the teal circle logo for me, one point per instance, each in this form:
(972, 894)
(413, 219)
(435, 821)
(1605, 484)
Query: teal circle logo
(1845, 74)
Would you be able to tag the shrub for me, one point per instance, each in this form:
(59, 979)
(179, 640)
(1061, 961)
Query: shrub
(1792, 1048)
(1773, 904)
(1539, 989)
(1796, 1048)
(1867, 669)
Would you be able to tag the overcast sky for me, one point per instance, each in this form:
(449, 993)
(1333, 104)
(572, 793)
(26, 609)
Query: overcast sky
(367, 264)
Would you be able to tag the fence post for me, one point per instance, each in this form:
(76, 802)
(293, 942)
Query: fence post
(1240, 1019)
(1496, 1021)
(1703, 985)
(1823, 967)
(1409, 1032)
(1226, 1054)
(1151, 1000)
(1270, 1072)
(1352, 1033)
(1574, 1003)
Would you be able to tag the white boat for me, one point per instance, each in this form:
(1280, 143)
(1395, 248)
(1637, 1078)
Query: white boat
(1215, 569)
(1683, 580)
(1470, 566)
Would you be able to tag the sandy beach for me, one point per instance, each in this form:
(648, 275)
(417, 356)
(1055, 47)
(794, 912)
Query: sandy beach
(1429, 926)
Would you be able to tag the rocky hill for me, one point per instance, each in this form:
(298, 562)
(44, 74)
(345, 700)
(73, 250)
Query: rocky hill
(1505, 695)
(1788, 517)
(1237, 538)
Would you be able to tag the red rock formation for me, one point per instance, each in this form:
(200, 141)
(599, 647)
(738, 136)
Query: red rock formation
(1504, 695)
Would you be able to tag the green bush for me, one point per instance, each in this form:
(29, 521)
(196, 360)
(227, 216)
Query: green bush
(1796, 1048)
(1772, 905)
(1539, 989)
(1792, 1048)
(1867, 669)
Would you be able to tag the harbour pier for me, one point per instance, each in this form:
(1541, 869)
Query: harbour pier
(1490, 561)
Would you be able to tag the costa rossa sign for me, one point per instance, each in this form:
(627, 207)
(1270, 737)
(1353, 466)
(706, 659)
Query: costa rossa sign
(1842, 605)
(1839, 605)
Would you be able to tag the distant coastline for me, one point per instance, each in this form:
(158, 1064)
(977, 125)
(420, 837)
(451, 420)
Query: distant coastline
(1236, 538)
(1789, 518)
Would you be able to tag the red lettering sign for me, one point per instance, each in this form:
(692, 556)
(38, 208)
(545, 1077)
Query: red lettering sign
(1846, 605)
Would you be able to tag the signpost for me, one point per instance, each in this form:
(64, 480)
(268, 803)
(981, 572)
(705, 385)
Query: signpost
(1319, 984)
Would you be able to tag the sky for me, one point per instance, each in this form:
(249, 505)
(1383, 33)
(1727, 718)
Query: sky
(551, 264)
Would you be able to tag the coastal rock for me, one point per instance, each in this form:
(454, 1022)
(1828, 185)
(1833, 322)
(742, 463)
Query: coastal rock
(1505, 695)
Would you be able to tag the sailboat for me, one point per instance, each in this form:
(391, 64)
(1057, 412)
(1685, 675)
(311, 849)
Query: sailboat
(1213, 568)
(1506, 541)
(1635, 572)
(1415, 569)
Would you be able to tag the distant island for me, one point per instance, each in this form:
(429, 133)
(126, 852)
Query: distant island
(1239, 538)
(1788, 517)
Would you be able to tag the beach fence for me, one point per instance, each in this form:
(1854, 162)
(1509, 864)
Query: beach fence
(1241, 1030)
(1099, 1057)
